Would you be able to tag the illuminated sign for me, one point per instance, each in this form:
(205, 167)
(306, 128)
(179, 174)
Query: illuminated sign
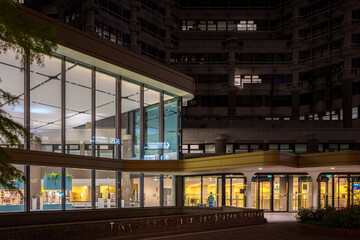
(157, 145)
(269, 176)
(106, 140)
(356, 186)
(328, 176)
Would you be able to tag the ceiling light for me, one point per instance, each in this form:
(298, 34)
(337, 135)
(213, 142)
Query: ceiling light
(260, 168)
(332, 168)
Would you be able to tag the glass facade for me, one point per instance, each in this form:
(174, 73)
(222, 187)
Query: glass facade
(235, 190)
(79, 103)
(339, 190)
(281, 192)
(12, 200)
(203, 191)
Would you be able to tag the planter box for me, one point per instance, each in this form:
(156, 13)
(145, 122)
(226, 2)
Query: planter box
(334, 232)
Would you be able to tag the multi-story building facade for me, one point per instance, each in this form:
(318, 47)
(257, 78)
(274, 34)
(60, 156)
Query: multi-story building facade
(269, 75)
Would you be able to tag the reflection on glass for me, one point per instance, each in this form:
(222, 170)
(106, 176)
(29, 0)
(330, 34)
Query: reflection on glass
(130, 189)
(105, 189)
(10, 200)
(78, 106)
(78, 191)
(151, 190)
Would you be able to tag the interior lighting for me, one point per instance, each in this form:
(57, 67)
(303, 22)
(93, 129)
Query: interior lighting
(260, 168)
(332, 168)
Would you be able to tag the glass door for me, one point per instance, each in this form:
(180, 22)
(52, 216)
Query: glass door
(341, 191)
(265, 193)
(280, 193)
(235, 191)
(300, 190)
(326, 190)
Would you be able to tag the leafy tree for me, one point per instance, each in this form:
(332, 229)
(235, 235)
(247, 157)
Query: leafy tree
(30, 41)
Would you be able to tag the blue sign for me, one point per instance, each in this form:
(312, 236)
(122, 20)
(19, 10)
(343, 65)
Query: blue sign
(356, 186)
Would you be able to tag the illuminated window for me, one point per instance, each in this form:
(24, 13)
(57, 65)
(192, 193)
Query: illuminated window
(240, 80)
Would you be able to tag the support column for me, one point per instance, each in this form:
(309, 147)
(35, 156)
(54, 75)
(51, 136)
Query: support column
(179, 191)
(315, 188)
(90, 10)
(220, 143)
(248, 176)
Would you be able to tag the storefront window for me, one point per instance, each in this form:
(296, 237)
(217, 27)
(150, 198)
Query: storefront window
(78, 191)
(151, 190)
(13, 200)
(169, 190)
(45, 188)
(105, 138)
(105, 189)
(78, 106)
(130, 189)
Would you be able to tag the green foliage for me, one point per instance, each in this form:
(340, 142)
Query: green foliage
(56, 176)
(28, 39)
(348, 217)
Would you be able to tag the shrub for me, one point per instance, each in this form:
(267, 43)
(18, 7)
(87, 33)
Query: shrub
(348, 217)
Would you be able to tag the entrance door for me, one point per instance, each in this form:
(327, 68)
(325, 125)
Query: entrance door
(264, 193)
(326, 190)
(300, 190)
(341, 191)
(237, 194)
(280, 193)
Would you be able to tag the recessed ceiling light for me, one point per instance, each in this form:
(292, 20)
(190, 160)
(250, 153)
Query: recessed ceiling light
(332, 168)
(260, 168)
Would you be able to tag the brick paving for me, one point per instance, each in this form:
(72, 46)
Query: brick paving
(270, 231)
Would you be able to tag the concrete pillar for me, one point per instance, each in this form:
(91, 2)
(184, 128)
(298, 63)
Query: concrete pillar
(179, 191)
(315, 190)
(248, 176)
(127, 142)
(312, 143)
(220, 143)
(127, 186)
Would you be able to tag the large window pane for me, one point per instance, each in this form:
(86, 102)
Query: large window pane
(130, 120)
(12, 200)
(105, 189)
(130, 192)
(45, 188)
(105, 115)
(151, 190)
(78, 193)
(192, 193)
(212, 191)
(170, 128)
(151, 131)
(78, 106)
(45, 102)
(12, 81)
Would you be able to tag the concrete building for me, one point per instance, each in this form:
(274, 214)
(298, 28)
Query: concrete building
(269, 117)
